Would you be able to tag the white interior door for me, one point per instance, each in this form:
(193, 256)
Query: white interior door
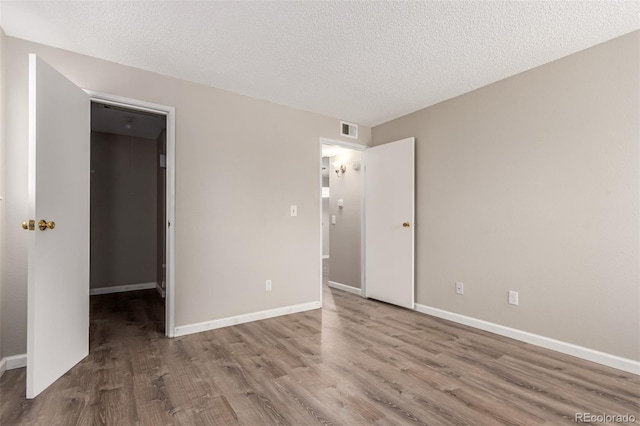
(58, 262)
(389, 222)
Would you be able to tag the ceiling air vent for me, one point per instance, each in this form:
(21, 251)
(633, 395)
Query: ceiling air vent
(349, 130)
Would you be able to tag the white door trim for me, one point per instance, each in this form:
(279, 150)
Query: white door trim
(363, 150)
(170, 113)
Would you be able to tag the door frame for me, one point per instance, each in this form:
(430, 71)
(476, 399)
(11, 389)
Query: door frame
(363, 151)
(170, 114)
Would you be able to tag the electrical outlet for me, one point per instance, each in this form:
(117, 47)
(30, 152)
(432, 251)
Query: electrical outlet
(513, 297)
(268, 285)
(459, 288)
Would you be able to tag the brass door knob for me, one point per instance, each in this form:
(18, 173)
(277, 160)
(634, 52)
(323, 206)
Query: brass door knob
(29, 224)
(406, 224)
(44, 225)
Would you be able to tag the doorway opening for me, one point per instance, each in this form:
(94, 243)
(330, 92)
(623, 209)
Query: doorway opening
(342, 213)
(128, 211)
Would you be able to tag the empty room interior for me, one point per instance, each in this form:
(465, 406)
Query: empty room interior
(319, 213)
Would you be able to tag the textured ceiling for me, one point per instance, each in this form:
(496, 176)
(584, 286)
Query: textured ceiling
(365, 62)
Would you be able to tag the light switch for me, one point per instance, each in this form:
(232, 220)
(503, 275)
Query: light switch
(333, 220)
(340, 202)
(294, 210)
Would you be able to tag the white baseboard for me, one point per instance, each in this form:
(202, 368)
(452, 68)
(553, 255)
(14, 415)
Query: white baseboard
(161, 290)
(16, 361)
(344, 287)
(325, 256)
(592, 355)
(240, 319)
(121, 288)
(12, 362)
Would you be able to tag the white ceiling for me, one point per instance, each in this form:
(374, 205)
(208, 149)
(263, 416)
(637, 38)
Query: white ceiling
(365, 62)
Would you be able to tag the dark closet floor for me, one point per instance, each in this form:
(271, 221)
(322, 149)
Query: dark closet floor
(130, 312)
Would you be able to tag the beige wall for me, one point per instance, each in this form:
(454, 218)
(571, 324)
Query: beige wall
(2, 171)
(532, 184)
(124, 210)
(233, 229)
(345, 237)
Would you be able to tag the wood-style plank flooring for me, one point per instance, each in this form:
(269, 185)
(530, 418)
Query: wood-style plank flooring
(353, 362)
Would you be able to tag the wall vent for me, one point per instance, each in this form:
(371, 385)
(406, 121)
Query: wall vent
(349, 130)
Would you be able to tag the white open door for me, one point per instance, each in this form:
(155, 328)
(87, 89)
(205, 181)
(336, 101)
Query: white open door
(58, 262)
(389, 223)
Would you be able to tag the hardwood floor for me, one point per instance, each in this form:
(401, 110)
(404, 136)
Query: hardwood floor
(355, 361)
